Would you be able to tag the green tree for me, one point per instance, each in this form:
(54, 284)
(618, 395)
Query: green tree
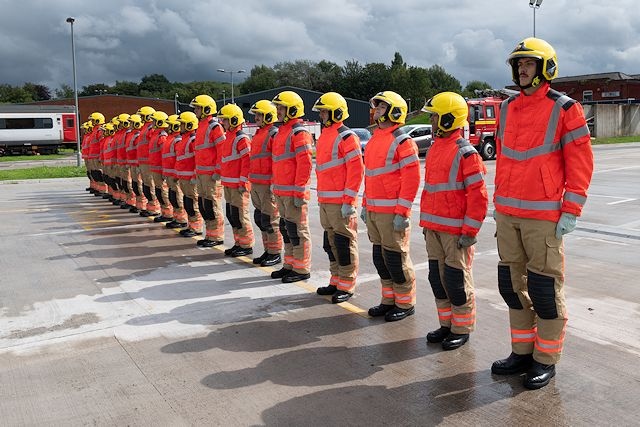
(153, 85)
(126, 88)
(260, 78)
(38, 92)
(442, 81)
(13, 94)
(64, 91)
(472, 86)
(93, 89)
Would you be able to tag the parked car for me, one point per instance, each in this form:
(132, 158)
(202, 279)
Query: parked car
(364, 135)
(422, 136)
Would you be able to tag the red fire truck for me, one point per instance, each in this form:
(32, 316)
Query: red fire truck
(481, 131)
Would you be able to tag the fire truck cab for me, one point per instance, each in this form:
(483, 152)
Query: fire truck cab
(481, 131)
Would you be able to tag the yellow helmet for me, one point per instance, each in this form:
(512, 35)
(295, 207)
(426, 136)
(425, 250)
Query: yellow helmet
(96, 118)
(123, 120)
(397, 111)
(293, 102)
(160, 119)
(136, 121)
(109, 129)
(452, 111)
(115, 121)
(335, 104)
(207, 104)
(268, 110)
(189, 119)
(542, 51)
(233, 113)
(174, 123)
(146, 112)
(87, 125)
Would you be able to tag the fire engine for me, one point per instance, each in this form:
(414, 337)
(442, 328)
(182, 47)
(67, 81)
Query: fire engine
(481, 131)
(27, 129)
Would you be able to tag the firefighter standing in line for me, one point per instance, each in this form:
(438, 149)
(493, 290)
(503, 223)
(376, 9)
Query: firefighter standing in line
(132, 161)
(147, 131)
(265, 214)
(339, 169)
(291, 175)
(159, 185)
(233, 155)
(106, 157)
(169, 173)
(453, 205)
(128, 197)
(84, 151)
(93, 152)
(543, 170)
(185, 171)
(209, 136)
(392, 178)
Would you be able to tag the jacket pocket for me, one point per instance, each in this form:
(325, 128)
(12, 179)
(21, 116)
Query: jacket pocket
(549, 184)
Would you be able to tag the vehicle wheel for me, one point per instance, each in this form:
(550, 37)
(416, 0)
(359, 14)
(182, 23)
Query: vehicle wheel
(488, 150)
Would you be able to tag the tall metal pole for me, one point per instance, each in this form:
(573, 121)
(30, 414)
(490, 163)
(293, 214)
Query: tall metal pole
(75, 92)
(233, 101)
(534, 22)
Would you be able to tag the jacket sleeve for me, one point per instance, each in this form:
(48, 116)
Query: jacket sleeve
(407, 156)
(477, 200)
(349, 150)
(302, 144)
(578, 160)
(216, 139)
(244, 150)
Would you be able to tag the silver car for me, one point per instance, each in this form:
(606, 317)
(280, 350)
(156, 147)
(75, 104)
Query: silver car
(422, 136)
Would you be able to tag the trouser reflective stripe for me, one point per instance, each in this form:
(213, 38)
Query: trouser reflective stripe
(523, 335)
(530, 246)
(342, 244)
(264, 201)
(179, 214)
(242, 228)
(297, 256)
(444, 315)
(381, 232)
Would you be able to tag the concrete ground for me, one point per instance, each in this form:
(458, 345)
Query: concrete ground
(107, 318)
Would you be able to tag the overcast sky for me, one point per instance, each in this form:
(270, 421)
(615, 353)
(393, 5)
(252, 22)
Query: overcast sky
(189, 40)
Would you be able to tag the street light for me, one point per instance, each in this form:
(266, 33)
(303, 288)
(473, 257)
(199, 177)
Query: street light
(222, 70)
(71, 20)
(534, 4)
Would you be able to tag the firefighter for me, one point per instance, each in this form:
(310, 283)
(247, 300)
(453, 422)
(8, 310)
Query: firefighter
(233, 157)
(111, 160)
(453, 205)
(174, 192)
(158, 185)
(185, 171)
(93, 153)
(124, 135)
(543, 170)
(133, 140)
(265, 214)
(292, 165)
(84, 151)
(147, 131)
(106, 149)
(209, 137)
(392, 178)
(339, 170)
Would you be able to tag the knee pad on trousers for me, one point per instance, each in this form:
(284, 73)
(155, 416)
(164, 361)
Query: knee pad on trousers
(99, 176)
(146, 190)
(235, 214)
(158, 191)
(257, 218)
(378, 262)
(266, 223)
(327, 247)
(136, 187)
(127, 185)
(542, 292)
(454, 282)
(292, 231)
(173, 199)
(342, 248)
(283, 230)
(434, 280)
(505, 287)
(208, 209)
(393, 260)
(89, 175)
(118, 182)
(188, 205)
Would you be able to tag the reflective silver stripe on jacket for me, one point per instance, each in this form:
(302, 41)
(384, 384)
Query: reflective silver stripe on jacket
(335, 160)
(230, 180)
(187, 149)
(533, 205)
(389, 166)
(464, 147)
(260, 176)
(288, 154)
(172, 147)
(235, 154)
(263, 153)
(200, 168)
(154, 146)
(290, 188)
(209, 144)
(575, 198)
(184, 173)
(442, 220)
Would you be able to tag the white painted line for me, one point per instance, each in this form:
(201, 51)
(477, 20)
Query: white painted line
(617, 169)
(621, 201)
(605, 241)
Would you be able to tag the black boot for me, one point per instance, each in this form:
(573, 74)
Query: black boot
(261, 258)
(514, 364)
(231, 249)
(341, 296)
(241, 252)
(125, 205)
(162, 219)
(295, 277)
(327, 290)
(398, 313)
(145, 213)
(133, 209)
(175, 224)
(207, 243)
(279, 274)
(187, 232)
(539, 375)
(439, 334)
(454, 341)
(271, 259)
(380, 310)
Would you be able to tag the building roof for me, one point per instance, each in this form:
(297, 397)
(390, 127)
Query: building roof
(616, 75)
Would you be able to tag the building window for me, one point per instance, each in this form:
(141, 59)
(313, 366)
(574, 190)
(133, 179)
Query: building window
(587, 95)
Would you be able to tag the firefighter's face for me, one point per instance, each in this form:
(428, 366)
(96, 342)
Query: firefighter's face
(259, 119)
(526, 70)
(282, 112)
(380, 110)
(324, 115)
(434, 120)
(226, 124)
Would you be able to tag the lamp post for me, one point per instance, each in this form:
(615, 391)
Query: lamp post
(222, 70)
(224, 96)
(175, 104)
(534, 4)
(71, 20)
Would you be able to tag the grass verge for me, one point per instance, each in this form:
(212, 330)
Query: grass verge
(43, 172)
(615, 140)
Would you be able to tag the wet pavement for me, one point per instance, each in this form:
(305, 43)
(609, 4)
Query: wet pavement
(107, 318)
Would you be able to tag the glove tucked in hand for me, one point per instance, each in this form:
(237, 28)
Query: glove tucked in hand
(347, 210)
(400, 222)
(363, 215)
(298, 202)
(242, 189)
(566, 224)
(465, 241)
